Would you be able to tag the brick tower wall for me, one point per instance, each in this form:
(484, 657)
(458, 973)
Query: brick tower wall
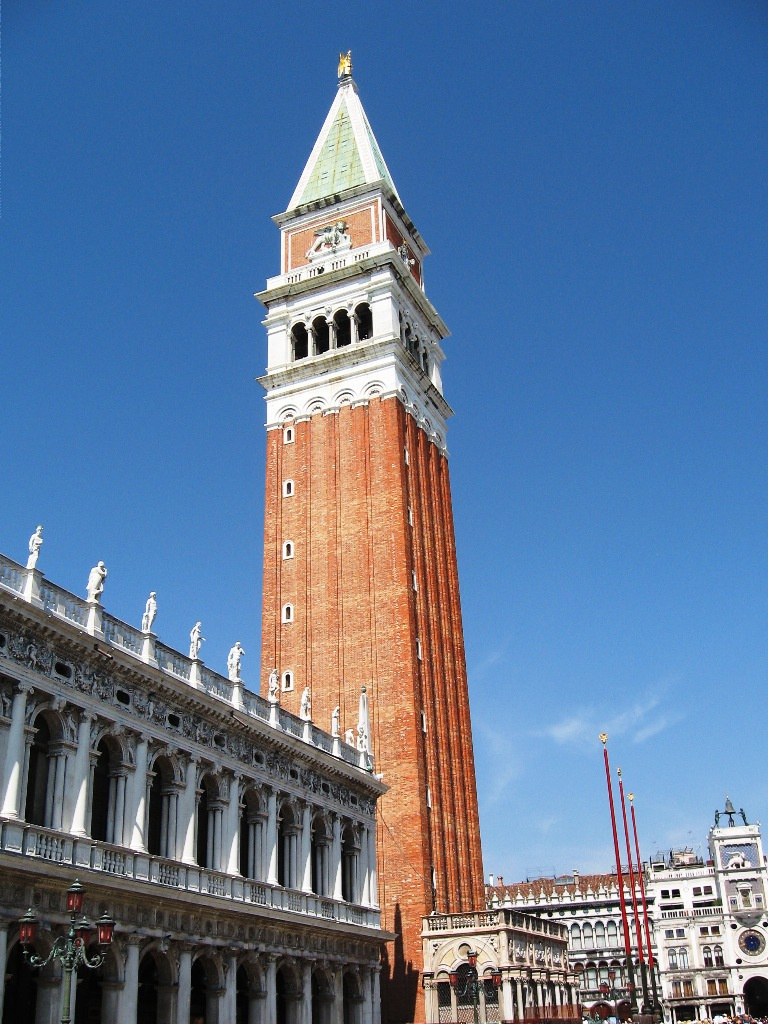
(357, 621)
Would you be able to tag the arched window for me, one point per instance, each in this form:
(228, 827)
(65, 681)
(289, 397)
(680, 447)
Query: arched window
(161, 813)
(350, 849)
(108, 795)
(287, 488)
(299, 342)
(39, 803)
(321, 335)
(288, 549)
(287, 683)
(600, 935)
(321, 846)
(364, 321)
(672, 959)
(288, 833)
(253, 819)
(707, 954)
(343, 328)
(587, 933)
(612, 934)
(575, 937)
(682, 955)
(719, 962)
(287, 613)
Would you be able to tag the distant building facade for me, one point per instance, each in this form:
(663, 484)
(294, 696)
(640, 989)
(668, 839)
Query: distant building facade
(709, 927)
(711, 923)
(233, 843)
(588, 907)
(528, 954)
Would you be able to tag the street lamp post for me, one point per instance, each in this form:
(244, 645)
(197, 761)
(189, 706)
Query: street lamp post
(70, 949)
(612, 995)
(468, 982)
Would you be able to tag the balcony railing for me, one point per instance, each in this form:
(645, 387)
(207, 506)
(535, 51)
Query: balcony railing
(48, 845)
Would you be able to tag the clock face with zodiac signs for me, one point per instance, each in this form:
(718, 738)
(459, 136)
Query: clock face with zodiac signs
(751, 942)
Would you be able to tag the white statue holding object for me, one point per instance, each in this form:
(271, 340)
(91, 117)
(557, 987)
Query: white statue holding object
(273, 686)
(96, 579)
(35, 543)
(335, 731)
(233, 662)
(305, 709)
(363, 723)
(196, 638)
(150, 613)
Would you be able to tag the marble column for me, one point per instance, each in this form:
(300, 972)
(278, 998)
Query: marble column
(3, 961)
(138, 807)
(305, 1015)
(337, 1016)
(229, 1002)
(506, 999)
(376, 986)
(129, 997)
(14, 755)
(232, 831)
(365, 986)
(272, 839)
(270, 1015)
(81, 772)
(336, 859)
(306, 849)
(184, 992)
(186, 819)
(373, 879)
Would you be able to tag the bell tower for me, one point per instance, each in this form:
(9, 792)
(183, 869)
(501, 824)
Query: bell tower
(360, 575)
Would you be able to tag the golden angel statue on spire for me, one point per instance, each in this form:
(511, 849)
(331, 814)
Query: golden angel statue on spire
(345, 64)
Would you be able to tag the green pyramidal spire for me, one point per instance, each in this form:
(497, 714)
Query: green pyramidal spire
(346, 154)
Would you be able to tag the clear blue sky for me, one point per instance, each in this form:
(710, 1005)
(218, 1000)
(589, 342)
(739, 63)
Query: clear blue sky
(591, 179)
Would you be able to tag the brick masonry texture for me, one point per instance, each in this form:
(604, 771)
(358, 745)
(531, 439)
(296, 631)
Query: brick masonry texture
(358, 620)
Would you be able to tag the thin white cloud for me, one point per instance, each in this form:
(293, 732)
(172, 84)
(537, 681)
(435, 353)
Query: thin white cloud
(642, 719)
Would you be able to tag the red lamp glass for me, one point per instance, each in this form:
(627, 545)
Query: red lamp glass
(472, 958)
(83, 930)
(496, 979)
(105, 928)
(75, 898)
(28, 929)
(453, 978)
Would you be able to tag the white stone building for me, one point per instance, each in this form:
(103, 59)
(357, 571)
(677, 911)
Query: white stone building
(527, 954)
(233, 843)
(712, 926)
(588, 907)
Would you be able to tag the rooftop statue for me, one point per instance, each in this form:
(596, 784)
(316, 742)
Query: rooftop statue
(345, 64)
(35, 543)
(196, 638)
(233, 662)
(96, 582)
(273, 686)
(150, 613)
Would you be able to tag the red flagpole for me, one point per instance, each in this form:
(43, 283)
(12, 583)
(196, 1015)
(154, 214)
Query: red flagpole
(642, 896)
(619, 875)
(636, 915)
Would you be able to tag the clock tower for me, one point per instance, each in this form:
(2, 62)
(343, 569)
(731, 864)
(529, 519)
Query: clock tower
(360, 576)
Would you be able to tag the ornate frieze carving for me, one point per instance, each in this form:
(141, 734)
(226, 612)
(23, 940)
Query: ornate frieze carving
(39, 656)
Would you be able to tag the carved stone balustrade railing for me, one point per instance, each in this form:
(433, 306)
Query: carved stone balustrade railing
(44, 844)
